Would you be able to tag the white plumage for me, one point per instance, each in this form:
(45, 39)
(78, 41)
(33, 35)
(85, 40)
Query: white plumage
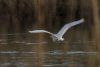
(59, 35)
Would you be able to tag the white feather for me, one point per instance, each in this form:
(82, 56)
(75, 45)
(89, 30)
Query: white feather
(40, 31)
(68, 26)
(59, 35)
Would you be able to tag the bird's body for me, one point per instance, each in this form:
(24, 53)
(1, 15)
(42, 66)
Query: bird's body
(59, 35)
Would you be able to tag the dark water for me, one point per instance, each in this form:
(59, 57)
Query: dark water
(28, 53)
(18, 48)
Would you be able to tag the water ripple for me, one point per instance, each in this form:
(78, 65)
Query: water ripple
(26, 43)
(17, 64)
(64, 64)
(29, 43)
(57, 52)
(13, 52)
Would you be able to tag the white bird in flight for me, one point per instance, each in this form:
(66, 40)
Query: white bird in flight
(59, 36)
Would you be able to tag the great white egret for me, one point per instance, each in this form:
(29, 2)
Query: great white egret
(59, 36)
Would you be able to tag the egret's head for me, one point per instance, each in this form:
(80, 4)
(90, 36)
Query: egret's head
(55, 38)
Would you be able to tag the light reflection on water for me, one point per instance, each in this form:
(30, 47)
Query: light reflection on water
(54, 57)
(15, 52)
(15, 64)
(55, 52)
(25, 43)
(64, 64)
(70, 53)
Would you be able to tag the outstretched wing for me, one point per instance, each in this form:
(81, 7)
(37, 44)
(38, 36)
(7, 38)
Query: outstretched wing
(67, 26)
(40, 31)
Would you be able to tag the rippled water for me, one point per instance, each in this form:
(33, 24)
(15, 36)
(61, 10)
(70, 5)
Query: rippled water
(26, 53)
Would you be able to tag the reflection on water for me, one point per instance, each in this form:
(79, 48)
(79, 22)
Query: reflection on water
(26, 53)
(2, 40)
(29, 43)
(69, 64)
(13, 64)
(52, 52)
(11, 52)
(69, 53)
